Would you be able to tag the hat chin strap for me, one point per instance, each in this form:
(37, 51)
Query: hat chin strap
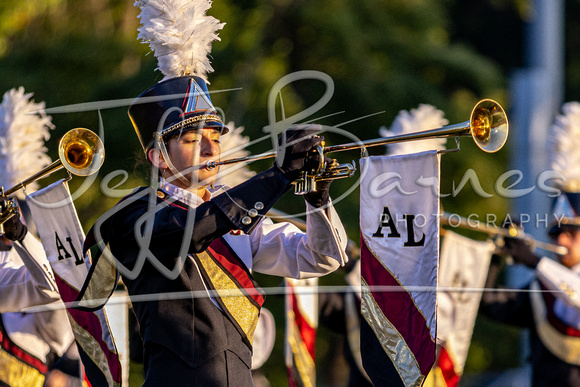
(163, 149)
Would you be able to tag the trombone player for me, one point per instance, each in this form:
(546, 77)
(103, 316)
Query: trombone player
(208, 340)
(200, 239)
(31, 344)
(551, 307)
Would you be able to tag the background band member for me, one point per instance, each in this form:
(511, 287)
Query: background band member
(551, 308)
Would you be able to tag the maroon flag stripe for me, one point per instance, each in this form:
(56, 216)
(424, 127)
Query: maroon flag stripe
(399, 308)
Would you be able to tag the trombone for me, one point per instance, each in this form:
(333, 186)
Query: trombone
(488, 127)
(512, 231)
(80, 151)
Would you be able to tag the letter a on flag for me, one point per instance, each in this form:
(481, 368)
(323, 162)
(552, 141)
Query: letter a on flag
(399, 254)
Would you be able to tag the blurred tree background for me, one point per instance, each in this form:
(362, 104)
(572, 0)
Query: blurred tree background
(383, 56)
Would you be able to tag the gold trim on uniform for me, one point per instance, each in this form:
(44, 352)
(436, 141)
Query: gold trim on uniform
(17, 373)
(191, 121)
(242, 310)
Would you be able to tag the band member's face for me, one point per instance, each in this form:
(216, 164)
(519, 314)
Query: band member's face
(571, 240)
(195, 148)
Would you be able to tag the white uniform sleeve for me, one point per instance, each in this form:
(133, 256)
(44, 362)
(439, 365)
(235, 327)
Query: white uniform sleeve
(55, 328)
(557, 277)
(283, 250)
(29, 283)
(39, 333)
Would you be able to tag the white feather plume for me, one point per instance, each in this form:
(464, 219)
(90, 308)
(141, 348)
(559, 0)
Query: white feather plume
(233, 145)
(423, 118)
(24, 128)
(564, 145)
(180, 34)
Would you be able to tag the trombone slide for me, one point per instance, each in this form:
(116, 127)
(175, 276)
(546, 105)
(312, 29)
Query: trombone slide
(488, 126)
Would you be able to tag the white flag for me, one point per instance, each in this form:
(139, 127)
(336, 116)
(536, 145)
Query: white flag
(61, 234)
(463, 266)
(399, 251)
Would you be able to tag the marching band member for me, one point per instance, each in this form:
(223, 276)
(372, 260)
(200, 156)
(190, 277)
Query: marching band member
(209, 340)
(26, 278)
(551, 308)
(187, 237)
(552, 316)
(29, 342)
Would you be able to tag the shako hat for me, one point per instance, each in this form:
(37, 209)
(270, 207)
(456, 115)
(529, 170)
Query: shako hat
(171, 106)
(180, 34)
(564, 153)
(566, 212)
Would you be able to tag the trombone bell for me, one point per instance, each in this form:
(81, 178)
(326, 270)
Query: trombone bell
(81, 152)
(489, 125)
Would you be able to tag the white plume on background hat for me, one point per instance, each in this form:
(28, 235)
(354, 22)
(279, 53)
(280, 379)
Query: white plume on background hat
(24, 128)
(180, 34)
(233, 146)
(423, 118)
(564, 146)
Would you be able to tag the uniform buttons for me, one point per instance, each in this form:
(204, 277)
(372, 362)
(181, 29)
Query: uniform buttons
(253, 212)
(246, 220)
(259, 206)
